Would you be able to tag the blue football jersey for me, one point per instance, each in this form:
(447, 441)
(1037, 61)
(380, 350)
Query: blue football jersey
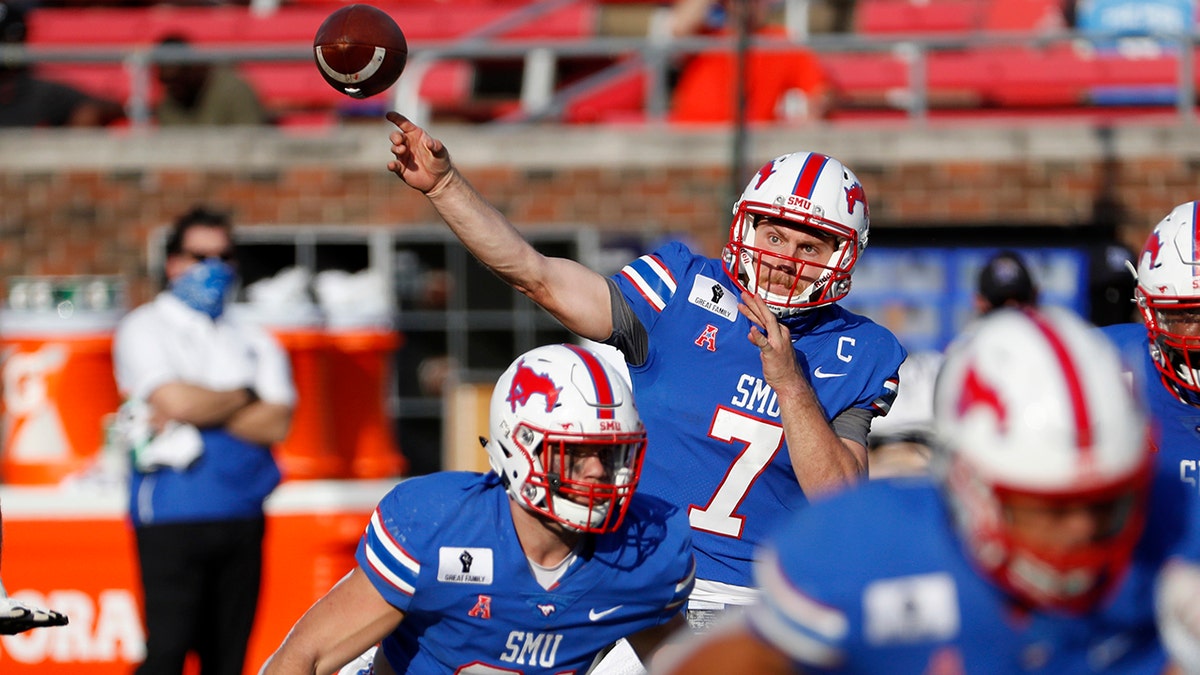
(1176, 424)
(875, 580)
(442, 548)
(716, 444)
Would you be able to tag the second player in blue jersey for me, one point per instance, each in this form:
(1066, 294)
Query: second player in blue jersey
(535, 567)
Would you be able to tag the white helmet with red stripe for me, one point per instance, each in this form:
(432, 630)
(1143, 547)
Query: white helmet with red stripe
(566, 439)
(1168, 296)
(1032, 408)
(809, 191)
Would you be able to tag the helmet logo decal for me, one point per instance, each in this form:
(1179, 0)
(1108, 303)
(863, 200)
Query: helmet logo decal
(526, 383)
(1153, 246)
(764, 173)
(806, 182)
(976, 392)
(801, 203)
(856, 195)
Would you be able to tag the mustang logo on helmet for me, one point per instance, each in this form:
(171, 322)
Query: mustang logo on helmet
(526, 382)
(764, 173)
(1153, 247)
(855, 195)
(976, 392)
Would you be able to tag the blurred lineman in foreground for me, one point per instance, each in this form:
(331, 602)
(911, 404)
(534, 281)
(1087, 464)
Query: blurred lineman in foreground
(1039, 545)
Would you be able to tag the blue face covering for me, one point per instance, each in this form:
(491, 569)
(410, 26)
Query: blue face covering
(205, 286)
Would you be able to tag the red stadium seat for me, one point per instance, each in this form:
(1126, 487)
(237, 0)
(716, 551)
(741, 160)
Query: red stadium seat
(621, 98)
(886, 17)
(289, 25)
(870, 81)
(293, 89)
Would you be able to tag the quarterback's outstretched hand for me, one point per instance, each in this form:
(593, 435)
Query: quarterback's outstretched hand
(17, 617)
(421, 160)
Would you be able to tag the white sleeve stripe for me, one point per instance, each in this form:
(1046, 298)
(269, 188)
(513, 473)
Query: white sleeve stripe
(660, 271)
(884, 403)
(797, 645)
(653, 298)
(796, 607)
(394, 549)
(686, 583)
(381, 568)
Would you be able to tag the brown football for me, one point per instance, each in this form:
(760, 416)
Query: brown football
(360, 50)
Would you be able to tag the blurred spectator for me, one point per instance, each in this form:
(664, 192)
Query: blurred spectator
(1005, 281)
(781, 85)
(30, 101)
(205, 94)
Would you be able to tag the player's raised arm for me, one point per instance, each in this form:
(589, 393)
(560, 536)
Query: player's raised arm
(576, 295)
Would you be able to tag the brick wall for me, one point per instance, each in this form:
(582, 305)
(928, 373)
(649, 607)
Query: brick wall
(86, 202)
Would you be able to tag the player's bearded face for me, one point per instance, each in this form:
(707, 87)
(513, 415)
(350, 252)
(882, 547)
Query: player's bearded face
(790, 258)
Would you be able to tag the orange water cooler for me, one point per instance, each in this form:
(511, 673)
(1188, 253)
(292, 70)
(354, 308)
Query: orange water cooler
(360, 367)
(310, 450)
(56, 374)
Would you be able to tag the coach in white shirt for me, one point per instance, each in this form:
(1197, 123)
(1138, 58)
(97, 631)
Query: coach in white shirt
(213, 394)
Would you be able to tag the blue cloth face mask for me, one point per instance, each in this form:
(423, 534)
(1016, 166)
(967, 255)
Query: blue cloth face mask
(205, 286)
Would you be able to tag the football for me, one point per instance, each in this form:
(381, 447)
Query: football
(360, 50)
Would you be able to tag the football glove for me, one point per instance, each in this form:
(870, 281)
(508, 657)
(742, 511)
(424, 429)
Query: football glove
(17, 617)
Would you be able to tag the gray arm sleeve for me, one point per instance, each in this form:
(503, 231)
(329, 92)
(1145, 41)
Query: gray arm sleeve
(629, 335)
(853, 424)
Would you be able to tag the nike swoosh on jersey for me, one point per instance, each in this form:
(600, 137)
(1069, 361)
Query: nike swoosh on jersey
(593, 615)
(822, 375)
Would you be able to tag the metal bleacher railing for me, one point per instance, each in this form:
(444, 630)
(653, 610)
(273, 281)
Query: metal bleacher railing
(901, 74)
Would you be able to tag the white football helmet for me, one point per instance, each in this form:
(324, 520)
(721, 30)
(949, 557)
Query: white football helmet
(1034, 406)
(566, 438)
(1168, 296)
(810, 190)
